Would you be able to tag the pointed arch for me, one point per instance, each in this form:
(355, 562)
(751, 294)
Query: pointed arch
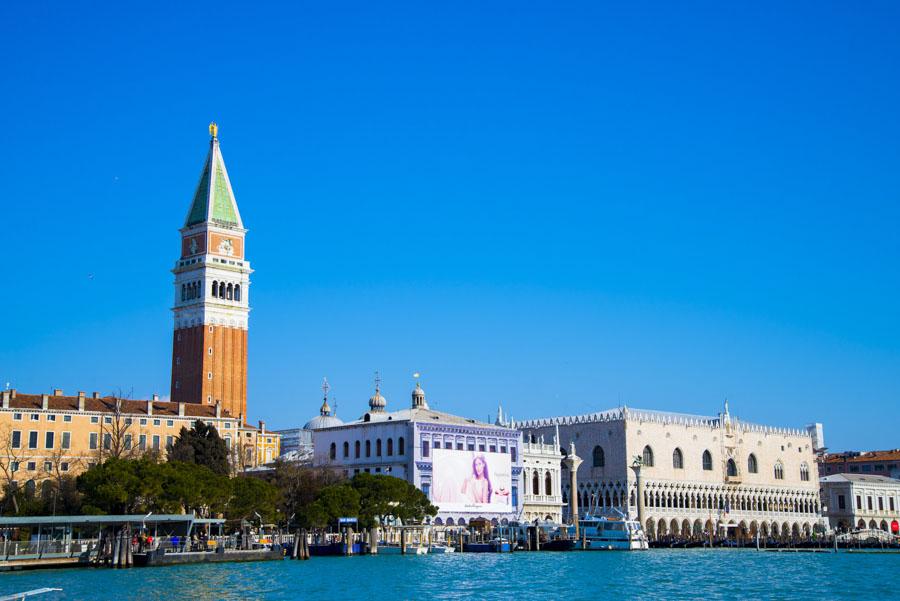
(599, 456)
(707, 460)
(752, 466)
(677, 459)
(647, 456)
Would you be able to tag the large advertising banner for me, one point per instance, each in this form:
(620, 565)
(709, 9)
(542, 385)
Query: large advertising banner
(471, 481)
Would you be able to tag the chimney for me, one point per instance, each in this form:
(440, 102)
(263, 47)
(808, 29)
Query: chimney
(180, 409)
(6, 396)
(96, 395)
(57, 392)
(81, 400)
(218, 408)
(155, 397)
(262, 427)
(45, 401)
(149, 407)
(12, 393)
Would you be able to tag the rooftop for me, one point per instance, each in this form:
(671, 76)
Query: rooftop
(863, 456)
(860, 478)
(108, 404)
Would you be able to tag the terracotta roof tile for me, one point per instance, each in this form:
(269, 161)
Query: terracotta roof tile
(33, 402)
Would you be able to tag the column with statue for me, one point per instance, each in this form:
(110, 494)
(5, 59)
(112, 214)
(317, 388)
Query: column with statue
(571, 463)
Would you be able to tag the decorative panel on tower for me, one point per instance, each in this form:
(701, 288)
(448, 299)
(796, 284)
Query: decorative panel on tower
(212, 285)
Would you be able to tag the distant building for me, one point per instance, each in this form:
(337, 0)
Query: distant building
(701, 474)
(297, 443)
(469, 469)
(875, 463)
(860, 501)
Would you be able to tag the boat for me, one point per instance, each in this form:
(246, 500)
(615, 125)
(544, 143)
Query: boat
(496, 545)
(394, 549)
(609, 533)
(558, 544)
(441, 548)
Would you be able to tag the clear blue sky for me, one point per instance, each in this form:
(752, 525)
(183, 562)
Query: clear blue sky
(559, 206)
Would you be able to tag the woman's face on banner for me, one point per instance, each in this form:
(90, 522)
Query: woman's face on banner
(479, 466)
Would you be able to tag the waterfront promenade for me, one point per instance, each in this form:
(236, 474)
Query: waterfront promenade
(659, 574)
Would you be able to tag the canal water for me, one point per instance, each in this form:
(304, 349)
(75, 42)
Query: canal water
(656, 574)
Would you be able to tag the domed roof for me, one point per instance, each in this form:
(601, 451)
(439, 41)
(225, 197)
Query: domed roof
(377, 402)
(323, 421)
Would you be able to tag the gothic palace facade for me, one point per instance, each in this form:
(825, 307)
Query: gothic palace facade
(702, 475)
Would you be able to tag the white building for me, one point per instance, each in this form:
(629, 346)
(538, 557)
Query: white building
(542, 481)
(861, 501)
(701, 474)
(437, 452)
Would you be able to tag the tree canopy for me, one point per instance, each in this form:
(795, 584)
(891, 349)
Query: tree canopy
(201, 445)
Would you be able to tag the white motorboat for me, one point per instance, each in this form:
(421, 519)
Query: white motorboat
(603, 533)
(441, 548)
(394, 549)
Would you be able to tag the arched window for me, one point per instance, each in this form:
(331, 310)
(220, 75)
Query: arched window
(779, 471)
(346, 449)
(237, 292)
(732, 468)
(548, 484)
(356, 449)
(707, 460)
(229, 292)
(804, 472)
(677, 459)
(332, 451)
(599, 457)
(221, 289)
(378, 448)
(183, 292)
(215, 288)
(648, 456)
(535, 484)
(401, 446)
(390, 446)
(194, 290)
(751, 464)
(368, 448)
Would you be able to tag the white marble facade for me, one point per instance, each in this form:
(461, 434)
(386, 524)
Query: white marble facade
(701, 474)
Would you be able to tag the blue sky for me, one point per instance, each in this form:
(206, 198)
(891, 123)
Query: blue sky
(560, 207)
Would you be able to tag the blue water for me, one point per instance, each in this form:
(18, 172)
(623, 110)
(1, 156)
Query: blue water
(656, 574)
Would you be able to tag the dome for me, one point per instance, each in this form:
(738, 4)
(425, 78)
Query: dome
(377, 402)
(323, 421)
(418, 398)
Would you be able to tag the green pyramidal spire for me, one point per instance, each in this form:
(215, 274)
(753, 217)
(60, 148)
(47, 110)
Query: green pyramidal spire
(214, 200)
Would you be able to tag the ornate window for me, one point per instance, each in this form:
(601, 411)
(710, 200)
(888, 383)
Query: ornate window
(378, 447)
(229, 292)
(237, 292)
(548, 484)
(732, 468)
(648, 456)
(368, 448)
(804, 472)
(390, 446)
(356, 449)
(215, 292)
(346, 449)
(599, 457)
(677, 459)
(535, 484)
(401, 446)
(779, 471)
(707, 460)
(751, 464)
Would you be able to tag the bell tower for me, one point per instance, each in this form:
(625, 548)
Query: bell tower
(212, 285)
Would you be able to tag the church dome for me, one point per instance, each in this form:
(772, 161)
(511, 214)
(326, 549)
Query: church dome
(323, 421)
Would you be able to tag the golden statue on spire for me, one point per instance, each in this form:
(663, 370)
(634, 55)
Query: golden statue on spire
(213, 129)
